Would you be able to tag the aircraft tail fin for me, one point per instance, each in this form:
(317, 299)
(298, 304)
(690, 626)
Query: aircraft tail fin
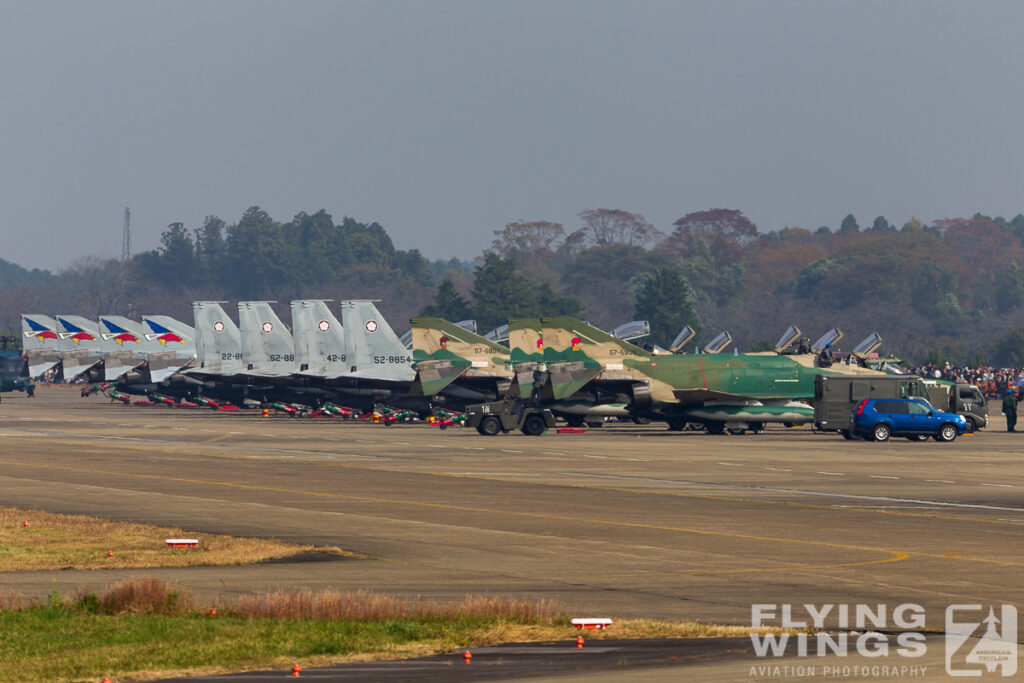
(445, 351)
(373, 350)
(171, 335)
(526, 340)
(39, 339)
(571, 339)
(79, 345)
(123, 344)
(319, 338)
(526, 351)
(118, 333)
(77, 333)
(38, 332)
(267, 344)
(435, 338)
(218, 339)
(577, 352)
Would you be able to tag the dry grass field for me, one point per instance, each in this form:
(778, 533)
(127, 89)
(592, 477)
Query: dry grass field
(34, 539)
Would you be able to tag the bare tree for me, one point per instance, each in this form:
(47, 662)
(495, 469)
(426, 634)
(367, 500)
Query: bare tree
(604, 227)
(100, 286)
(526, 240)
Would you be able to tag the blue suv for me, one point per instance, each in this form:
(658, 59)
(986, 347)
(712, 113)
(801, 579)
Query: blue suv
(876, 419)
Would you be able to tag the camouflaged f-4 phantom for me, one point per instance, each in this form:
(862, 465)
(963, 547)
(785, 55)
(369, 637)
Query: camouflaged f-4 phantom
(719, 391)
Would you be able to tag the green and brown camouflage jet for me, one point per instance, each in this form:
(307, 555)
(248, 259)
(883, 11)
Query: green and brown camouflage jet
(488, 370)
(737, 392)
(494, 372)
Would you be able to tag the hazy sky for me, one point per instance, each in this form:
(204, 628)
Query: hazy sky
(443, 120)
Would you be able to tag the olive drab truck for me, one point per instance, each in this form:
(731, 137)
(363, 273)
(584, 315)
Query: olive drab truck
(836, 396)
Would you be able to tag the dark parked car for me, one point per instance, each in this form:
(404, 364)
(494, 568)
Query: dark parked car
(876, 419)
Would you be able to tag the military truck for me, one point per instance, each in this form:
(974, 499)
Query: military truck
(13, 372)
(835, 396)
(504, 416)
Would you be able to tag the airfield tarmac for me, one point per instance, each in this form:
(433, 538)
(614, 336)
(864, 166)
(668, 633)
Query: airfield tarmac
(619, 522)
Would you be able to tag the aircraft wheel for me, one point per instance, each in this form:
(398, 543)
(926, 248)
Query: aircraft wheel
(641, 420)
(947, 433)
(676, 426)
(489, 426)
(534, 425)
(574, 420)
(881, 432)
(736, 431)
(716, 427)
(757, 427)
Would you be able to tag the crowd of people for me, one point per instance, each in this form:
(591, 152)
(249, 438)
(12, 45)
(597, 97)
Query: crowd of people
(993, 382)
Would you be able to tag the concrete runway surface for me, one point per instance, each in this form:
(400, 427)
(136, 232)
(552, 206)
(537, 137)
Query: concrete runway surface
(622, 521)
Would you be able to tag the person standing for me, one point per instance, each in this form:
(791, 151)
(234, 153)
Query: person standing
(1010, 408)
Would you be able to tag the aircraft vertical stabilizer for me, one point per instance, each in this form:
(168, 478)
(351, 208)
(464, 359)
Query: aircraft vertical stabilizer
(39, 339)
(319, 339)
(218, 340)
(436, 338)
(79, 344)
(576, 353)
(526, 350)
(267, 345)
(525, 340)
(373, 350)
(444, 352)
(571, 339)
(170, 346)
(171, 335)
(121, 341)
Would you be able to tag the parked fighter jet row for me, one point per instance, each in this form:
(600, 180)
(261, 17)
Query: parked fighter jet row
(357, 363)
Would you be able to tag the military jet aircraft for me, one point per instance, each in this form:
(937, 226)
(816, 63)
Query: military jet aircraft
(734, 392)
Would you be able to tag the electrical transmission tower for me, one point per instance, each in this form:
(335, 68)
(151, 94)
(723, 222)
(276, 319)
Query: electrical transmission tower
(126, 241)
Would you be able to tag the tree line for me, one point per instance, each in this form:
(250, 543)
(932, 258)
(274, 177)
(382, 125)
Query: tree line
(950, 290)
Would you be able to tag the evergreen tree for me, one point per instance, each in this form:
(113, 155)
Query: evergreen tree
(668, 302)
(548, 302)
(499, 292)
(177, 256)
(882, 225)
(849, 224)
(448, 303)
(211, 249)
